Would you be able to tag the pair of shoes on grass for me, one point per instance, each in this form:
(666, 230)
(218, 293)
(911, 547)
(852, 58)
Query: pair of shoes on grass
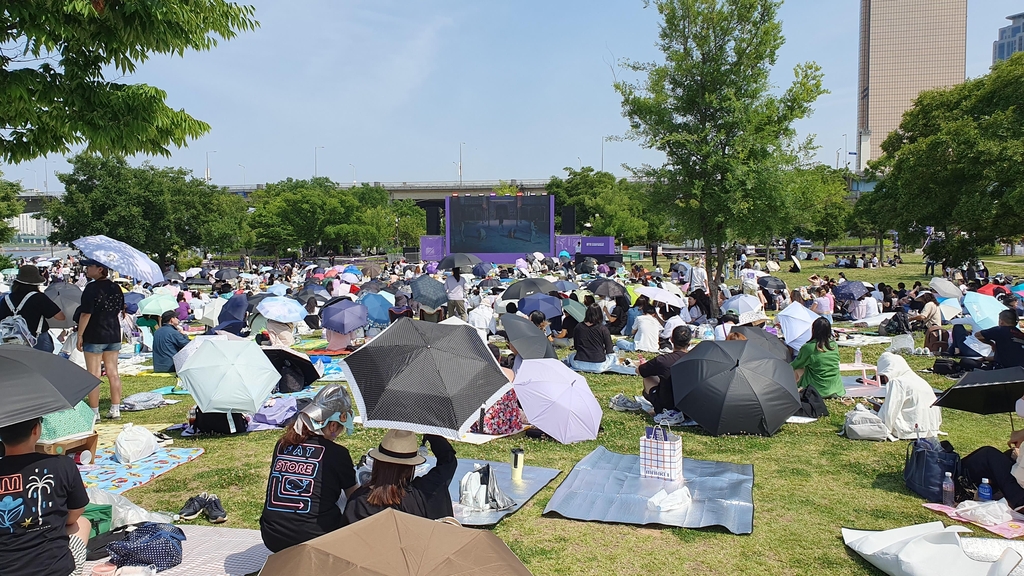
(622, 403)
(204, 504)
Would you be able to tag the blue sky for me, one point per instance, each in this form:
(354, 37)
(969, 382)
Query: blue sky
(393, 87)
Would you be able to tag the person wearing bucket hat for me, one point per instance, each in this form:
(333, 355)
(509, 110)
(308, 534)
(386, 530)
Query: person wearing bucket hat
(27, 301)
(310, 475)
(393, 483)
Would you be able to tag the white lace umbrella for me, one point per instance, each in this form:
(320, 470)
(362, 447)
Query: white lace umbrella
(120, 257)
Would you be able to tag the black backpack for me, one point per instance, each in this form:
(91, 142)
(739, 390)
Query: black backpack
(898, 324)
(811, 404)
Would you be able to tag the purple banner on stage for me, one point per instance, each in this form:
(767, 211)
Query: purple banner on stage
(598, 245)
(570, 244)
(431, 247)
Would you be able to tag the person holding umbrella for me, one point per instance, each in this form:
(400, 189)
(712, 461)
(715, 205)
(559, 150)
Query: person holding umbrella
(817, 363)
(99, 332)
(393, 482)
(455, 286)
(310, 474)
(26, 301)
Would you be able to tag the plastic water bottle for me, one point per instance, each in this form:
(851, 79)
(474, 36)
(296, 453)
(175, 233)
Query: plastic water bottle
(985, 490)
(858, 357)
(948, 491)
(709, 332)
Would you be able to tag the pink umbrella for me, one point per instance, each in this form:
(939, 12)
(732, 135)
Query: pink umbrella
(557, 400)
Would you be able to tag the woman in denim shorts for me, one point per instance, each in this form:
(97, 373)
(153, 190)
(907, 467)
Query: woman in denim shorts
(99, 332)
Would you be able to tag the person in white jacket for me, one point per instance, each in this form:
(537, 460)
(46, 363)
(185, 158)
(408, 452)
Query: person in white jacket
(908, 401)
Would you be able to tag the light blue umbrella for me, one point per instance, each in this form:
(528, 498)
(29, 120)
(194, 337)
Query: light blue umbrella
(280, 309)
(120, 257)
(277, 289)
(984, 310)
(376, 308)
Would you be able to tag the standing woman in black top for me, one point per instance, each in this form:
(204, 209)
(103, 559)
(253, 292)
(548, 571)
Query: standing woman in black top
(36, 310)
(99, 332)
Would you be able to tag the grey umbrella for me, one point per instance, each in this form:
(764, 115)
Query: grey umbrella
(735, 387)
(462, 261)
(38, 383)
(68, 297)
(528, 340)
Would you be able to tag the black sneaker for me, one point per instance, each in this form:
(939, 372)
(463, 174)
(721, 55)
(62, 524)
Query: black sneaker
(194, 507)
(214, 510)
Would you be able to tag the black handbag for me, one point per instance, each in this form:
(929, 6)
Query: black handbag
(946, 367)
(926, 465)
(811, 404)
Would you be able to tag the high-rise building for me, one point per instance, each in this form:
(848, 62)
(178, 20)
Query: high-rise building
(906, 47)
(1011, 39)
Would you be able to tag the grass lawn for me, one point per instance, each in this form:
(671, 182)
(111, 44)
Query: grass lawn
(809, 483)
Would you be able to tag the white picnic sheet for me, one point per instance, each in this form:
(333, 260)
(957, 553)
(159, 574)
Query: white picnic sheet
(210, 551)
(858, 340)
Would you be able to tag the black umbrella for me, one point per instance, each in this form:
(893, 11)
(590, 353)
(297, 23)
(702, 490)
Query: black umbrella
(313, 291)
(255, 299)
(735, 388)
(771, 283)
(285, 357)
(460, 260)
(985, 391)
(849, 290)
(371, 271)
(197, 281)
(606, 287)
(615, 264)
(227, 274)
(524, 288)
(528, 340)
(38, 383)
(428, 292)
(549, 263)
(172, 275)
(424, 377)
(489, 283)
(374, 286)
(796, 263)
(564, 259)
(765, 339)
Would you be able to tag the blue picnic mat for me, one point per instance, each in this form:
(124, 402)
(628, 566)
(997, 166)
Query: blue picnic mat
(169, 390)
(607, 487)
(106, 473)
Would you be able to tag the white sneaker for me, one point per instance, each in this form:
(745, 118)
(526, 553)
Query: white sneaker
(670, 418)
(621, 403)
(114, 413)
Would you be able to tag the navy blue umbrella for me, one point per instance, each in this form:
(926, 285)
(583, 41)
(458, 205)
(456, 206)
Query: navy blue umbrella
(849, 290)
(344, 316)
(481, 270)
(549, 305)
(131, 302)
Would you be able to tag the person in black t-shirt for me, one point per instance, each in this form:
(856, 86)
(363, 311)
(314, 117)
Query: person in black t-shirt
(99, 332)
(36, 309)
(393, 483)
(1005, 340)
(311, 477)
(42, 497)
(657, 372)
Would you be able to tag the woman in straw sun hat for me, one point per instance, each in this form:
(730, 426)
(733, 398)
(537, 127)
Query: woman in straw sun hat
(393, 483)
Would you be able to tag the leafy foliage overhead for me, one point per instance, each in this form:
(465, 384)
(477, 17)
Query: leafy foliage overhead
(53, 56)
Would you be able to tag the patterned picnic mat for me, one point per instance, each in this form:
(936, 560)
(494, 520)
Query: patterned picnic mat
(106, 473)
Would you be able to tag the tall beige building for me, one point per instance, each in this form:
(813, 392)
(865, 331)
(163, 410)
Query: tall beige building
(906, 47)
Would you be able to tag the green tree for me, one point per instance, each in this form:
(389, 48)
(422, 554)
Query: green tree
(10, 207)
(814, 205)
(954, 163)
(225, 224)
(709, 107)
(505, 189)
(55, 58)
(412, 222)
(161, 211)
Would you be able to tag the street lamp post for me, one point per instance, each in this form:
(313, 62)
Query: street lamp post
(581, 162)
(846, 151)
(35, 178)
(46, 175)
(837, 157)
(353, 173)
(315, 148)
(208, 164)
(243, 175)
(461, 144)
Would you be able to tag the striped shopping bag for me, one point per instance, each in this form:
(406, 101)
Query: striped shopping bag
(661, 454)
